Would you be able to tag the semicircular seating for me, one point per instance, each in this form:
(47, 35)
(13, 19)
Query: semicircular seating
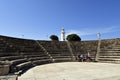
(22, 54)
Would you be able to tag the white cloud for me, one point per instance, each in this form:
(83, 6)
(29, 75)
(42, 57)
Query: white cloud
(92, 31)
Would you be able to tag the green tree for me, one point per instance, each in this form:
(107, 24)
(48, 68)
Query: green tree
(54, 38)
(73, 37)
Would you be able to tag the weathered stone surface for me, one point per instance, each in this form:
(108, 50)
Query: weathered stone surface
(9, 77)
(73, 71)
(4, 69)
(19, 51)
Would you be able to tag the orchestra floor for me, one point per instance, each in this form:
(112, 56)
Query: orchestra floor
(73, 71)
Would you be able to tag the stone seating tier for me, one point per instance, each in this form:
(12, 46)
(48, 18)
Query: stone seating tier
(40, 62)
(110, 52)
(22, 54)
(84, 47)
(23, 66)
(3, 54)
(62, 59)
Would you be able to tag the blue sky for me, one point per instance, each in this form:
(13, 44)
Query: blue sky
(38, 19)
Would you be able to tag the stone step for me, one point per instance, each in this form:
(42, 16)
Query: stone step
(107, 53)
(60, 53)
(35, 55)
(118, 45)
(40, 62)
(61, 56)
(37, 58)
(18, 61)
(109, 59)
(109, 56)
(110, 51)
(32, 53)
(3, 54)
(9, 77)
(62, 59)
(10, 58)
(23, 66)
(14, 63)
(117, 62)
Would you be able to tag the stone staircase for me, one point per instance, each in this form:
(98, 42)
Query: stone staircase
(110, 53)
(58, 50)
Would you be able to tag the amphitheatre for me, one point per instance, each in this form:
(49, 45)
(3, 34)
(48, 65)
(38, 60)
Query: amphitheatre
(27, 59)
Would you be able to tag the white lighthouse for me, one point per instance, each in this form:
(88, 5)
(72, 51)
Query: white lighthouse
(63, 35)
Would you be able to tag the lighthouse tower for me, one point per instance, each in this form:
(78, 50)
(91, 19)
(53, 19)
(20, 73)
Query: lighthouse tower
(63, 35)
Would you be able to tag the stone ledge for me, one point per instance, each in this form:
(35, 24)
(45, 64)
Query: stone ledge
(9, 77)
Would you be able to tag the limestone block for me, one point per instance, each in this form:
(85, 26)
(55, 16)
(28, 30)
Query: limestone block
(4, 69)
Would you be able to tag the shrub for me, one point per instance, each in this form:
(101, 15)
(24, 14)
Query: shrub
(54, 38)
(73, 37)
